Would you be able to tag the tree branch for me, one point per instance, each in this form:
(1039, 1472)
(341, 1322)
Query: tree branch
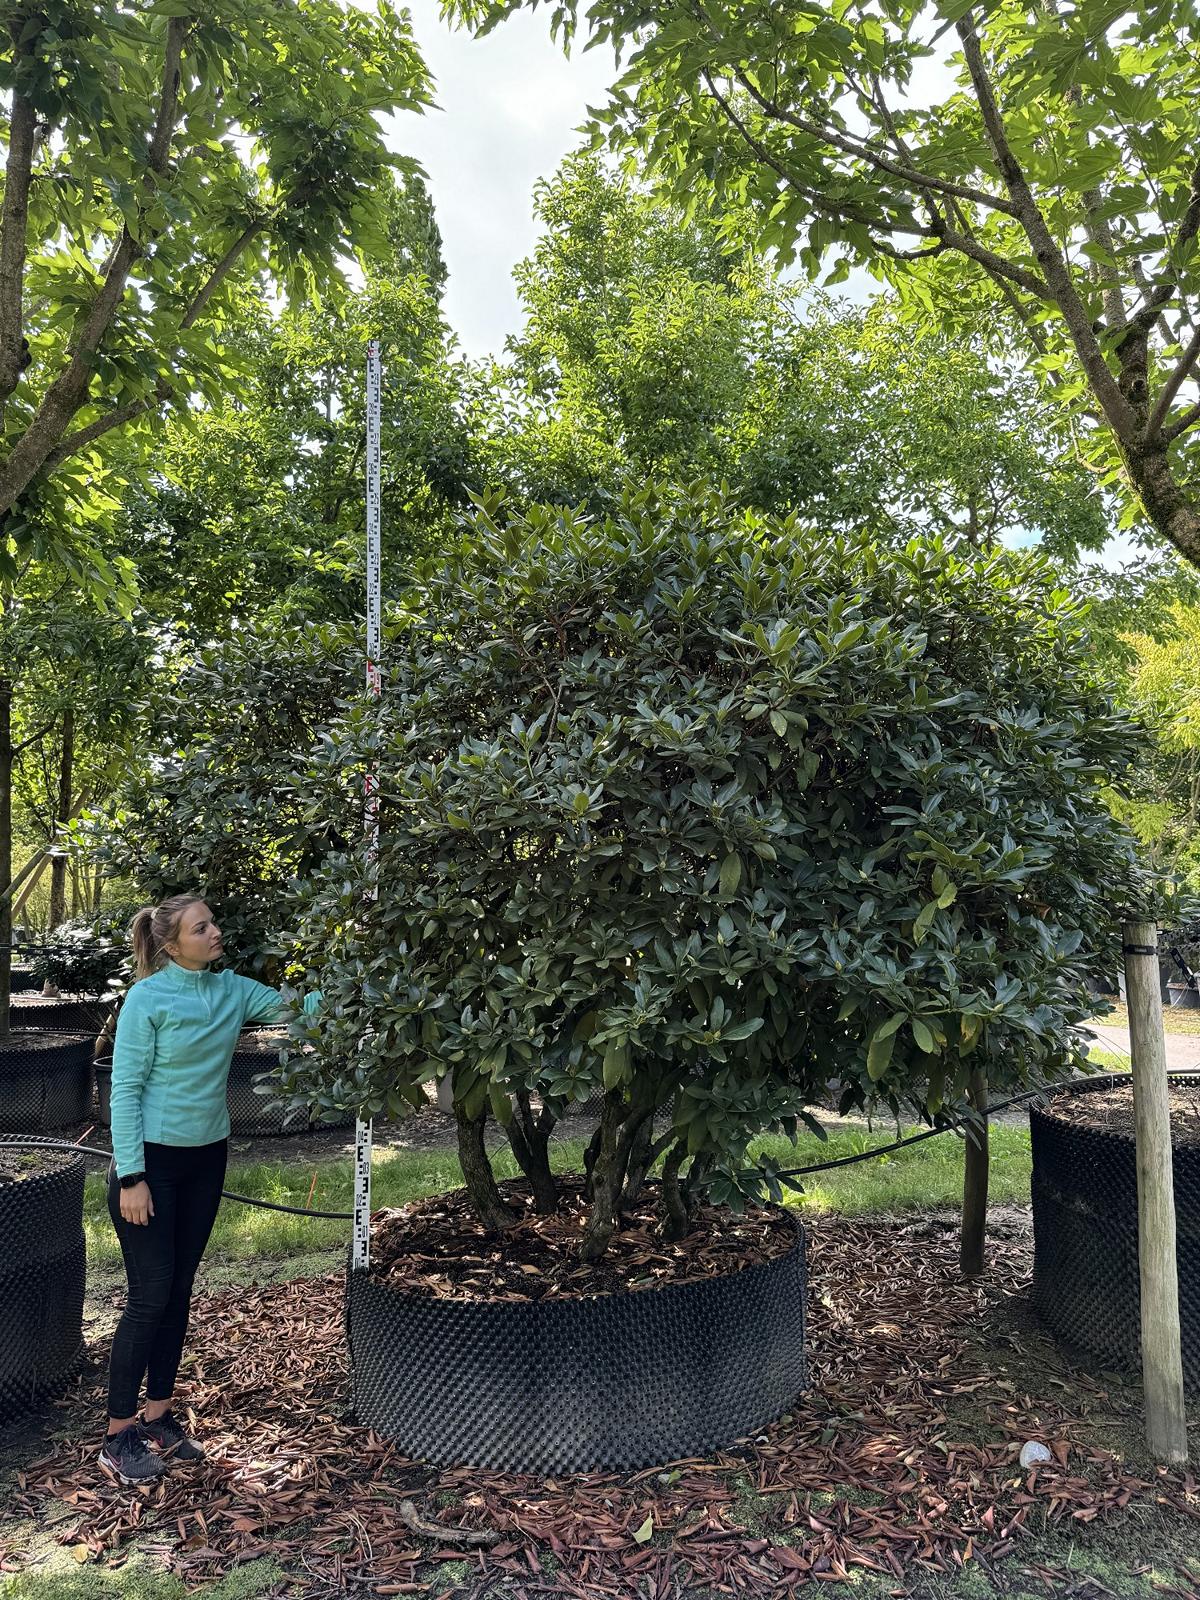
(34, 738)
(1054, 267)
(1191, 217)
(862, 151)
(1171, 388)
(67, 393)
(116, 418)
(1182, 423)
(220, 272)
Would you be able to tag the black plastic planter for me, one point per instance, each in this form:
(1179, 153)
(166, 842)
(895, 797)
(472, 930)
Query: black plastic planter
(254, 1107)
(42, 1264)
(1086, 1286)
(601, 1384)
(45, 1081)
(69, 1014)
(250, 1113)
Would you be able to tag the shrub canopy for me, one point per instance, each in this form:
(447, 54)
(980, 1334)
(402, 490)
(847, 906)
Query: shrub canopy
(683, 809)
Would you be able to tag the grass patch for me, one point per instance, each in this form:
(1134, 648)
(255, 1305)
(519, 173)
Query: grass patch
(1108, 1061)
(1174, 1020)
(924, 1176)
(135, 1581)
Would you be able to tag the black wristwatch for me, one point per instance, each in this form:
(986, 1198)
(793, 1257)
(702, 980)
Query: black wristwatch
(132, 1179)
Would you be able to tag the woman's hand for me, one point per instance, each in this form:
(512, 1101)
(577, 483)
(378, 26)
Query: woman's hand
(136, 1204)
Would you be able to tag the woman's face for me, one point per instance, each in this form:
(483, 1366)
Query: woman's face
(199, 939)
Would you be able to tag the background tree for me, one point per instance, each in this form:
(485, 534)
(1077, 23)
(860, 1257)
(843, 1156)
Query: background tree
(213, 802)
(1054, 179)
(257, 507)
(157, 160)
(652, 348)
(154, 159)
(1163, 806)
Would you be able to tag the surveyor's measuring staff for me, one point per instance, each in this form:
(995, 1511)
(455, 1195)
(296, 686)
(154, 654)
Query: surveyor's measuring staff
(361, 1250)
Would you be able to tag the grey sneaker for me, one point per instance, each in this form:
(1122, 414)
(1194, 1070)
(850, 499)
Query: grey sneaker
(127, 1455)
(166, 1434)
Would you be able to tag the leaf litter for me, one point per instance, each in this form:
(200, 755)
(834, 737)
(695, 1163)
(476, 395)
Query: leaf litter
(901, 1460)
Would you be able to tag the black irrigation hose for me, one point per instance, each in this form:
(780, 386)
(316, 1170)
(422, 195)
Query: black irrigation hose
(33, 1141)
(965, 1122)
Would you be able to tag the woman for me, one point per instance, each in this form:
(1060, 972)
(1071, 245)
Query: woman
(170, 1133)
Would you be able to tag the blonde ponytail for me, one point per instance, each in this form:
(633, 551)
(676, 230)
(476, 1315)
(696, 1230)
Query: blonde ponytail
(153, 928)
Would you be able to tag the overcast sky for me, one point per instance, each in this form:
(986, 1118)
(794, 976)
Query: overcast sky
(510, 105)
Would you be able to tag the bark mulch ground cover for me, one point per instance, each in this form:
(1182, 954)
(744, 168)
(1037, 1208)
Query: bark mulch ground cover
(900, 1465)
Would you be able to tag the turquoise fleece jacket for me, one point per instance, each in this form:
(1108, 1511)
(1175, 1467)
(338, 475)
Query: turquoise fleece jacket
(175, 1039)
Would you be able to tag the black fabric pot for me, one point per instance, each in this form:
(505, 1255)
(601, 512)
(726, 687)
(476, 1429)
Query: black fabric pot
(250, 1113)
(1086, 1285)
(71, 1014)
(42, 1266)
(592, 1385)
(49, 1086)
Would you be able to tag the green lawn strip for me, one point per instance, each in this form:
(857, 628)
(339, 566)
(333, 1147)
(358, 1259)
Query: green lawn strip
(926, 1175)
(63, 1578)
(1175, 1020)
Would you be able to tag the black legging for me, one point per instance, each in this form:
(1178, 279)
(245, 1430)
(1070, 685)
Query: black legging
(161, 1258)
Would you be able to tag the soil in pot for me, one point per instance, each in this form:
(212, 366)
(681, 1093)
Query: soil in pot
(437, 1246)
(76, 1013)
(1111, 1111)
(18, 1165)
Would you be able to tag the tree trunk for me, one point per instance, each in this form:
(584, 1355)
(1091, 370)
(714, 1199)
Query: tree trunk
(66, 778)
(636, 1158)
(975, 1182)
(530, 1141)
(606, 1181)
(1170, 509)
(6, 851)
(674, 1206)
(478, 1175)
(589, 1162)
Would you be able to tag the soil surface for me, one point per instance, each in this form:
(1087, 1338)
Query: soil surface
(17, 1165)
(23, 1040)
(436, 1246)
(1111, 1111)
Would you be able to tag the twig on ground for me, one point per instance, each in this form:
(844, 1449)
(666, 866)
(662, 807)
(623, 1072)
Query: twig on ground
(471, 1538)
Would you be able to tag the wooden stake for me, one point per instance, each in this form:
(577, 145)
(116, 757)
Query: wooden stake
(1162, 1359)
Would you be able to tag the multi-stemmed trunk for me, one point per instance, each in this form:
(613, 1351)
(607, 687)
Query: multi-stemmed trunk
(529, 1137)
(477, 1172)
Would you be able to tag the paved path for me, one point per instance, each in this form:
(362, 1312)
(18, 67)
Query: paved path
(1183, 1049)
